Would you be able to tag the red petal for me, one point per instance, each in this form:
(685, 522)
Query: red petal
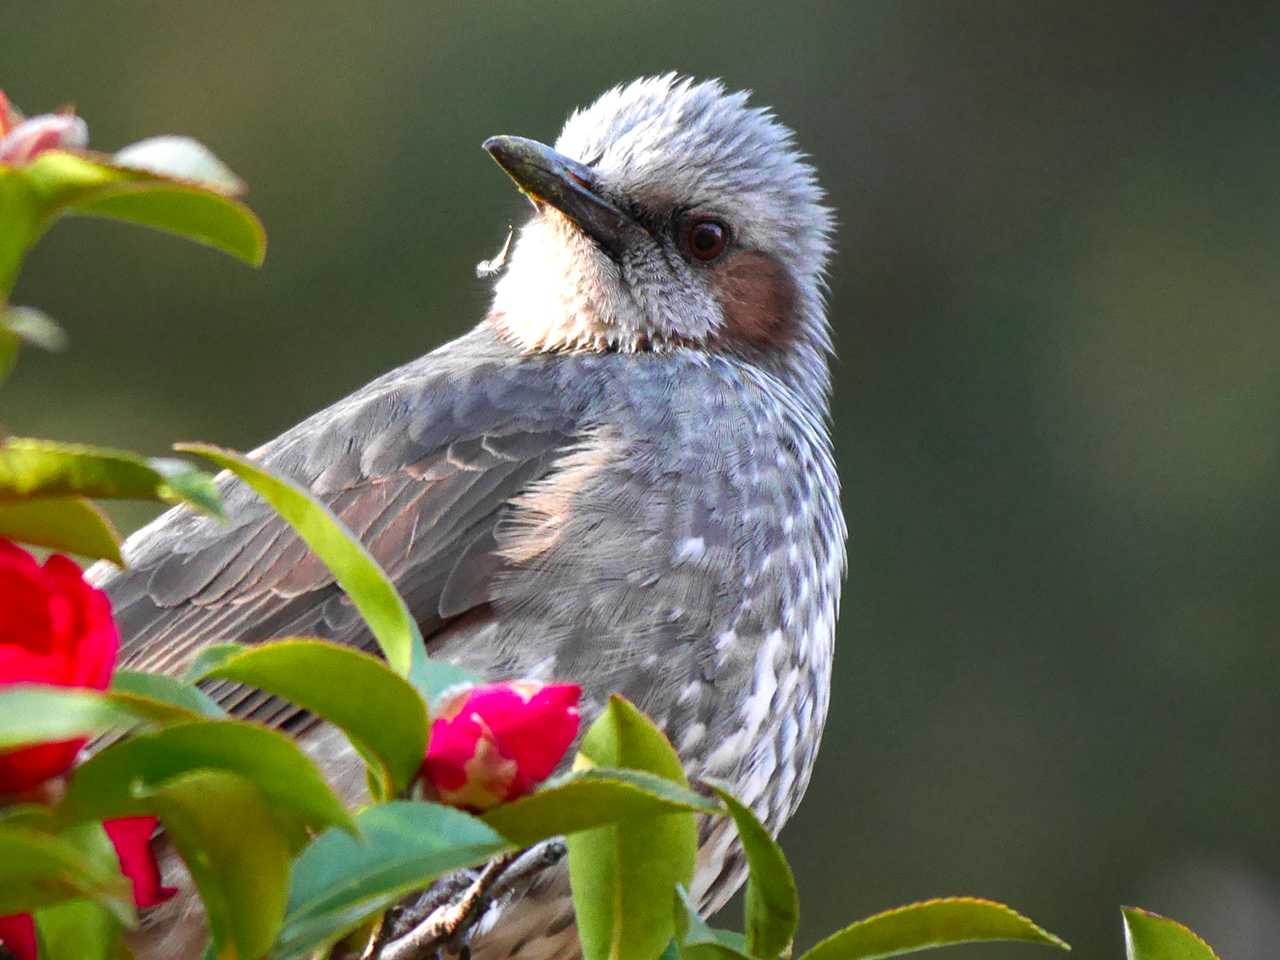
(537, 737)
(131, 837)
(25, 620)
(28, 767)
(18, 935)
(453, 744)
(92, 631)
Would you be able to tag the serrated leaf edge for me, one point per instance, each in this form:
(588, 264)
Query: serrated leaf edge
(1152, 915)
(1047, 938)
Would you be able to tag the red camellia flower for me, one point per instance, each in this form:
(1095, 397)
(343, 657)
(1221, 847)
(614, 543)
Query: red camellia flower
(54, 629)
(22, 139)
(491, 744)
(131, 837)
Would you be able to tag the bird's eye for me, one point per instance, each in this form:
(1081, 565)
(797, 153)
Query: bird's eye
(706, 239)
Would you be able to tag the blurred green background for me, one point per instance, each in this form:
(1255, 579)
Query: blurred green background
(1057, 409)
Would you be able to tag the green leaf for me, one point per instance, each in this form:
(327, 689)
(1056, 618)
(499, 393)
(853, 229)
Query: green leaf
(622, 875)
(339, 881)
(700, 941)
(351, 564)
(111, 783)
(32, 713)
(183, 483)
(38, 869)
(432, 677)
(85, 929)
(1149, 936)
(211, 657)
(42, 468)
(933, 923)
(78, 930)
(227, 833)
(187, 211)
(99, 186)
(20, 212)
(9, 344)
(772, 902)
(585, 799)
(157, 686)
(67, 524)
(378, 710)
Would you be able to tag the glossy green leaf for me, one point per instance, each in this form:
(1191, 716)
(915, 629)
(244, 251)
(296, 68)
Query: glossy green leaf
(1149, 936)
(586, 799)
(351, 564)
(110, 783)
(32, 713)
(933, 923)
(339, 881)
(187, 211)
(65, 524)
(226, 830)
(378, 710)
(622, 875)
(697, 940)
(42, 468)
(38, 869)
(97, 185)
(165, 689)
(772, 902)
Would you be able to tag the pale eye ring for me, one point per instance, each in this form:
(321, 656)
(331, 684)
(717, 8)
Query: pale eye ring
(706, 238)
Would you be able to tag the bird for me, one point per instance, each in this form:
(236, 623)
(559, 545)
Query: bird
(621, 477)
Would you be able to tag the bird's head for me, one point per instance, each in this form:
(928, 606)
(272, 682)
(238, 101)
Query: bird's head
(669, 215)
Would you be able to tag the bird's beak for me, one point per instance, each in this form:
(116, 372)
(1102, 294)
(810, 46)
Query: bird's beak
(552, 178)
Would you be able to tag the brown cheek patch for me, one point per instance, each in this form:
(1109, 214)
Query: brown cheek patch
(758, 299)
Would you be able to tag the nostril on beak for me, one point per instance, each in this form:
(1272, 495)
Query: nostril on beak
(581, 181)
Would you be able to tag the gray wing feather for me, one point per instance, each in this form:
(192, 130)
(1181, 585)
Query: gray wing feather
(421, 465)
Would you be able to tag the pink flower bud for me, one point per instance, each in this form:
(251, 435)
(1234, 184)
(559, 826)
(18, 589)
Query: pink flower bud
(26, 139)
(491, 744)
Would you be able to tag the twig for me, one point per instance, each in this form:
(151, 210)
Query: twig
(448, 923)
(530, 863)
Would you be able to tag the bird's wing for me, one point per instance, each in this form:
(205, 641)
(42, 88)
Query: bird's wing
(420, 466)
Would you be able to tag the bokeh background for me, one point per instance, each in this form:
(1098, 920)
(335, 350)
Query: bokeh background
(1057, 409)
